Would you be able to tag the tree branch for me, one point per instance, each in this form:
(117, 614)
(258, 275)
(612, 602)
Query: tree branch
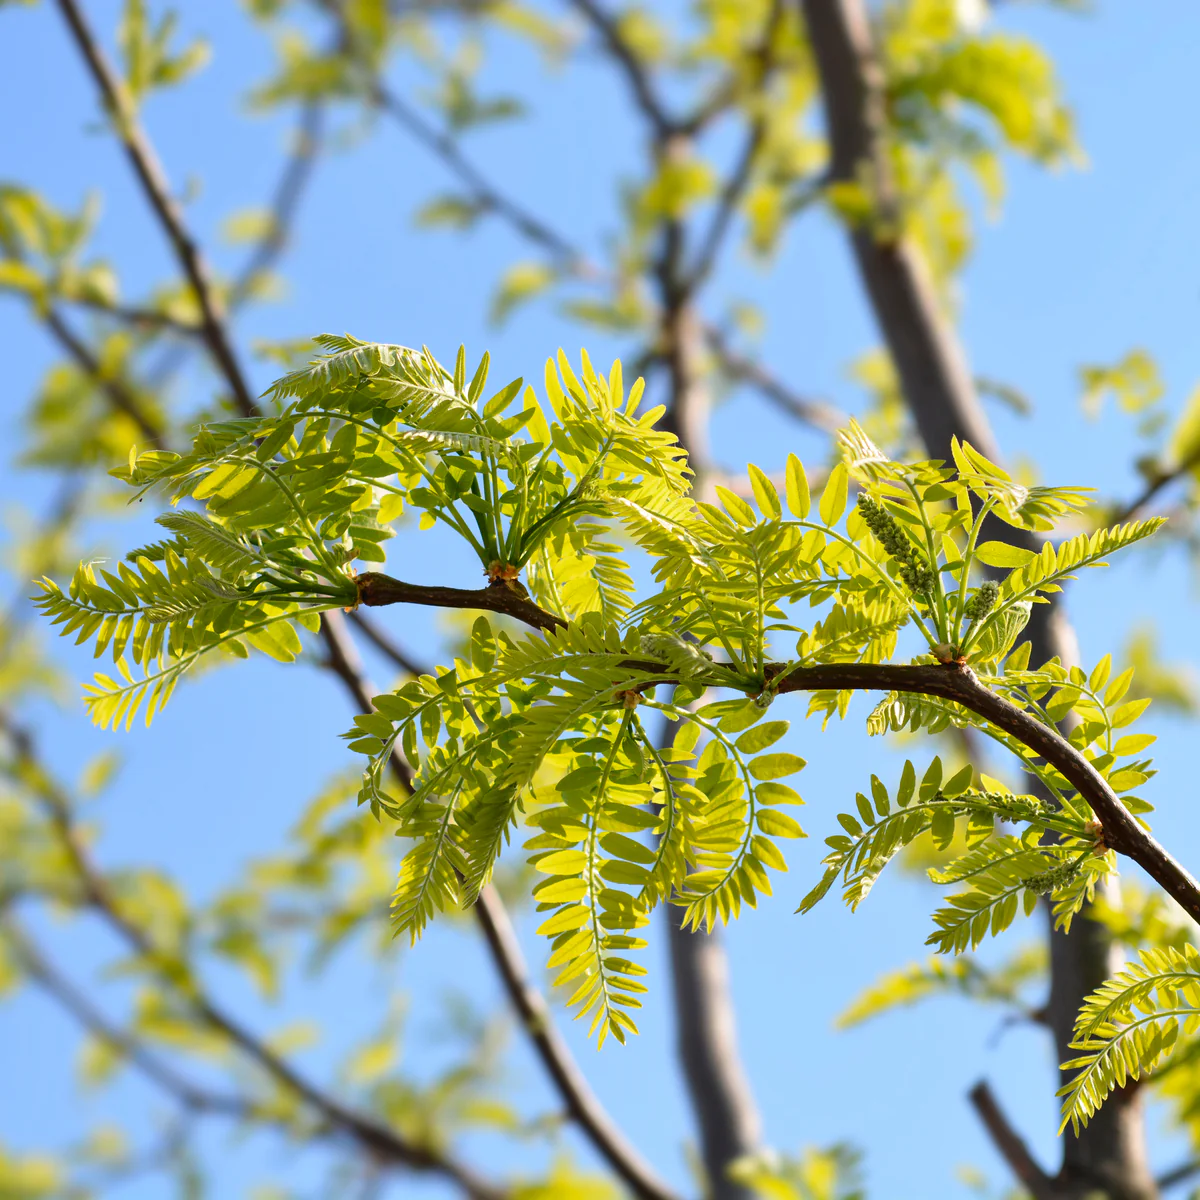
(739, 178)
(386, 646)
(632, 67)
(581, 1102)
(285, 204)
(1010, 1144)
(1122, 832)
(121, 397)
(1180, 1174)
(732, 363)
(154, 184)
(366, 1130)
(51, 980)
(375, 589)
(582, 1105)
(484, 194)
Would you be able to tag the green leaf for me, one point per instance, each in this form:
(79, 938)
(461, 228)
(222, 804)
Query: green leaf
(833, 498)
(798, 500)
(1001, 554)
(775, 766)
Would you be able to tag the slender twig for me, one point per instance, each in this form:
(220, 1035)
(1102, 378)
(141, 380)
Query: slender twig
(732, 363)
(1010, 1144)
(739, 177)
(137, 318)
(285, 204)
(386, 645)
(382, 1141)
(636, 74)
(43, 972)
(149, 171)
(581, 1102)
(483, 194)
(1155, 485)
(1178, 1175)
(122, 398)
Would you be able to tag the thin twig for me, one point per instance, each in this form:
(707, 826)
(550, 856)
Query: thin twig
(1156, 485)
(483, 194)
(1178, 1175)
(634, 69)
(137, 318)
(149, 172)
(581, 1102)
(386, 645)
(382, 1141)
(1010, 1144)
(122, 398)
(285, 204)
(44, 973)
(817, 413)
(739, 178)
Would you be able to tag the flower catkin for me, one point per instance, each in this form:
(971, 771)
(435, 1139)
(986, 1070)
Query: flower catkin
(915, 571)
(983, 601)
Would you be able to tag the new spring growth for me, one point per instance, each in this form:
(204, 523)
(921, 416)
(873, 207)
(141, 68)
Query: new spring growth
(685, 657)
(915, 571)
(1050, 881)
(982, 602)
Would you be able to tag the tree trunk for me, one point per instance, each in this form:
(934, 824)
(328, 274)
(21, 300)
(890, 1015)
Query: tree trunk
(1108, 1157)
(726, 1116)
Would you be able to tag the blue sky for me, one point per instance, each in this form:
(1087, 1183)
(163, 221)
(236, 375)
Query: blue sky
(1084, 265)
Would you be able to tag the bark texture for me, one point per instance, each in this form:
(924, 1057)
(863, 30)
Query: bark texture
(1108, 1157)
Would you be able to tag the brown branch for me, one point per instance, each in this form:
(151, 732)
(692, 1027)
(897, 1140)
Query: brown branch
(739, 178)
(632, 67)
(582, 1103)
(443, 145)
(952, 681)
(1156, 485)
(1010, 1144)
(1178, 1175)
(732, 363)
(366, 1130)
(44, 973)
(154, 184)
(483, 194)
(121, 397)
(375, 590)
(386, 646)
(137, 318)
(285, 204)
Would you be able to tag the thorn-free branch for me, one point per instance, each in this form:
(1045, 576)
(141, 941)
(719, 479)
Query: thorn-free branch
(1009, 1143)
(580, 1101)
(737, 366)
(1122, 832)
(118, 394)
(375, 590)
(150, 174)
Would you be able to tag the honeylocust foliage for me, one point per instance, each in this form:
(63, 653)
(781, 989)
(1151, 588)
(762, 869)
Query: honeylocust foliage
(554, 738)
